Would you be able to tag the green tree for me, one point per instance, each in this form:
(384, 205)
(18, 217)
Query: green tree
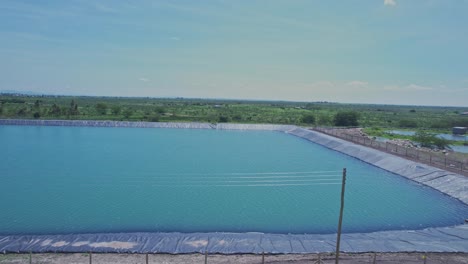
(22, 111)
(347, 118)
(127, 112)
(311, 106)
(223, 119)
(73, 110)
(37, 104)
(153, 118)
(160, 110)
(441, 143)
(101, 108)
(308, 119)
(55, 110)
(324, 120)
(423, 138)
(441, 124)
(116, 109)
(429, 140)
(237, 117)
(37, 115)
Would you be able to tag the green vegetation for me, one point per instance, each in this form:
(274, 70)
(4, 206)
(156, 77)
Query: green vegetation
(348, 118)
(308, 119)
(440, 119)
(101, 108)
(382, 132)
(430, 140)
(407, 123)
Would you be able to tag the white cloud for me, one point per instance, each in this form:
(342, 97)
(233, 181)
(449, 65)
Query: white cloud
(357, 83)
(144, 79)
(392, 87)
(389, 2)
(104, 8)
(322, 84)
(418, 87)
(174, 38)
(460, 90)
(411, 87)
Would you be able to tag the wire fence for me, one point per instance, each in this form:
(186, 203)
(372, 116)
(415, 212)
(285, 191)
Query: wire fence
(318, 258)
(436, 159)
(150, 258)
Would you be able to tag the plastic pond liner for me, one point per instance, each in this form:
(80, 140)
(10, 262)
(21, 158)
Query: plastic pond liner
(438, 239)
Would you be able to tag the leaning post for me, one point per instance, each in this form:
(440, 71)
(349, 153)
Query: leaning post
(340, 221)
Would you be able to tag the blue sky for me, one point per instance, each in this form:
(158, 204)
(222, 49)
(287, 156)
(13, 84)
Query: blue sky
(354, 51)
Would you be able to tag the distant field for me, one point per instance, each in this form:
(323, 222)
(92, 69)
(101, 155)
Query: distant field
(236, 111)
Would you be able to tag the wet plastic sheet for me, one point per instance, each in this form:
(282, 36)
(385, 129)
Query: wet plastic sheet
(449, 183)
(447, 239)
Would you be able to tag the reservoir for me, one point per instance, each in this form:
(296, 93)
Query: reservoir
(61, 180)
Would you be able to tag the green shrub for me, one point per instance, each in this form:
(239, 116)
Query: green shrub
(440, 124)
(153, 118)
(101, 108)
(407, 123)
(348, 118)
(223, 119)
(116, 109)
(430, 140)
(308, 119)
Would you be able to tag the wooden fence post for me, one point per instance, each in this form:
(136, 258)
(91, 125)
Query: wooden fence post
(90, 257)
(147, 258)
(206, 257)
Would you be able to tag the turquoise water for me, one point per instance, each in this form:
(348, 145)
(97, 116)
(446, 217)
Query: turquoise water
(57, 180)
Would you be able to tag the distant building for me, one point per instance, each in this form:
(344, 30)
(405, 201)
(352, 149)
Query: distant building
(464, 113)
(459, 130)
